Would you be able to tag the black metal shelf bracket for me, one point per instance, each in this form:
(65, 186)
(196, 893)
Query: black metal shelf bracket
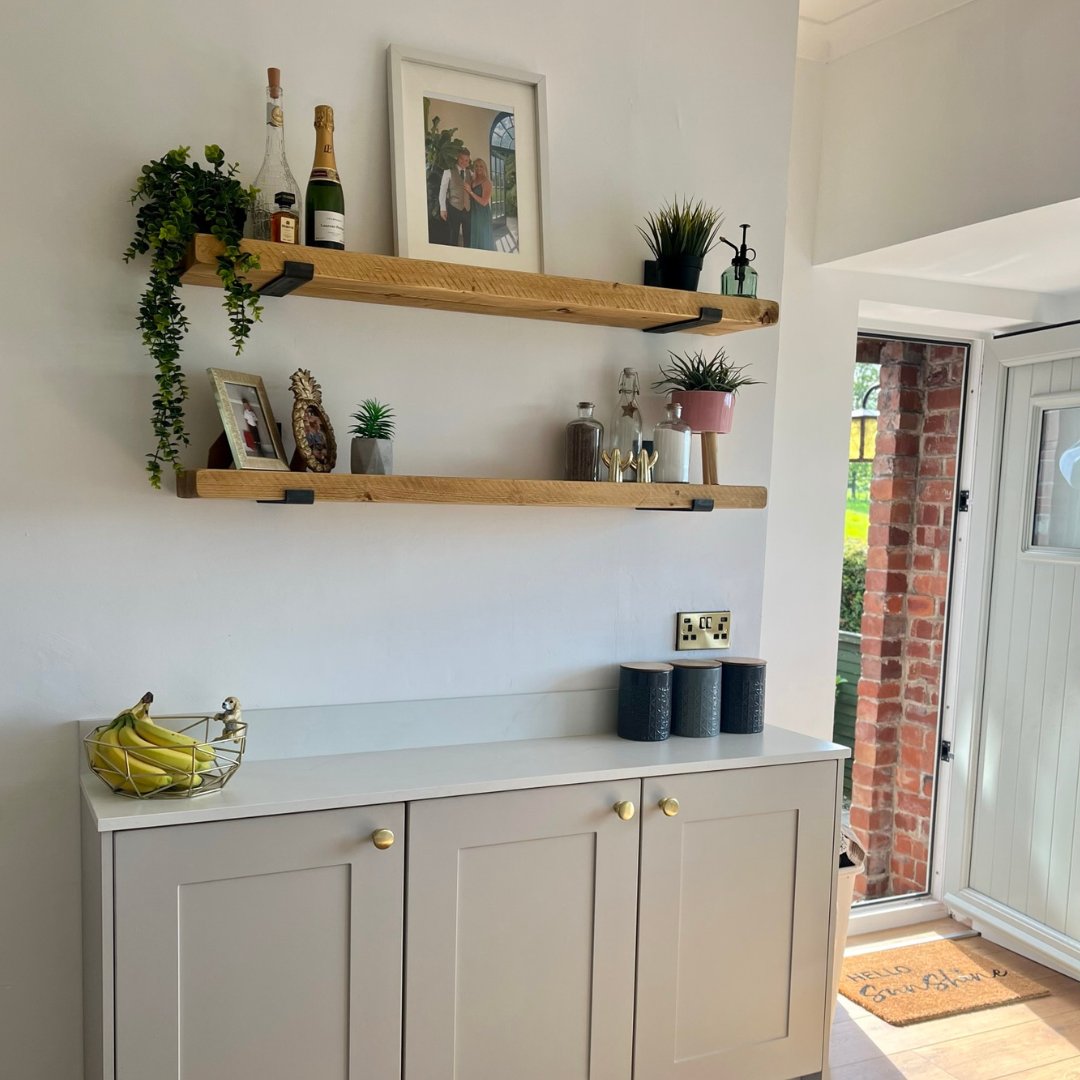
(293, 497)
(292, 276)
(707, 316)
(697, 506)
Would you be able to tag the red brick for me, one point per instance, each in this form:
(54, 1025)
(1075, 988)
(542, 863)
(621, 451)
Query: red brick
(880, 558)
(919, 716)
(886, 489)
(897, 444)
(880, 691)
(929, 585)
(935, 423)
(877, 647)
(936, 491)
(945, 398)
(913, 804)
(906, 822)
(920, 605)
(911, 735)
(928, 514)
(875, 667)
(891, 513)
(918, 760)
(918, 649)
(923, 560)
(930, 467)
(934, 445)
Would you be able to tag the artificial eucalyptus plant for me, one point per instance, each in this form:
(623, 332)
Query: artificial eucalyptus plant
(183, 198)
(692, 371)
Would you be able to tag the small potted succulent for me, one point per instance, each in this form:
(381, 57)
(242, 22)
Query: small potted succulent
(373, 433)
(705, 389)
(680, 236)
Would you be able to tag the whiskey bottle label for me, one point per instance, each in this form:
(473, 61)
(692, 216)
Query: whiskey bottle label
(288, 230)
(329, 227)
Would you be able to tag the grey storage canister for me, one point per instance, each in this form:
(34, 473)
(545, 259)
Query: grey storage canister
(742, 696)
(644, 702)
(695, 698)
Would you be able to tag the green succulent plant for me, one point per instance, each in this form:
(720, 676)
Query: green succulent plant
(183, 198)
(692, 371)
(373, 420)
(682, 228)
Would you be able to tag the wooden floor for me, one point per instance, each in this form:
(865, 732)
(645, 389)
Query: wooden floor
(1039, 1040)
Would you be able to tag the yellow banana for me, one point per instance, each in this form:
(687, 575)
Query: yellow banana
(175, 761)
(172, 740)
(123, 769)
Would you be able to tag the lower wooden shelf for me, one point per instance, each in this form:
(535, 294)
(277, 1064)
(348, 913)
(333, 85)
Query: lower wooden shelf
(459, 490)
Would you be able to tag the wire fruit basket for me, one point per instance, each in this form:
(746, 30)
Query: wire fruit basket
(171, 757)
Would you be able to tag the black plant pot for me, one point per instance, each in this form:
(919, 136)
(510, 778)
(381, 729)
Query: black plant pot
(680, 271)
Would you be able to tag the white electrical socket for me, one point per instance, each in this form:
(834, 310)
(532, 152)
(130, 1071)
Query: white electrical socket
(702, 630)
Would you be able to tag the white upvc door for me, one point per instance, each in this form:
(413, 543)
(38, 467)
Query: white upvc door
(1013, 846)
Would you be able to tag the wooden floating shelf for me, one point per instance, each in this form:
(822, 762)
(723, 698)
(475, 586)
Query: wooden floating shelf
(385, 279)
(464, 491)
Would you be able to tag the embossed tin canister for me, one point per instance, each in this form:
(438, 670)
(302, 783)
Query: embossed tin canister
(695, 698)
(644, 702)
(742, 696)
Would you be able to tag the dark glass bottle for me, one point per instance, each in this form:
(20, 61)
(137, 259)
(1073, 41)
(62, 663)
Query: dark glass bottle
(324, 223)
(584, 444)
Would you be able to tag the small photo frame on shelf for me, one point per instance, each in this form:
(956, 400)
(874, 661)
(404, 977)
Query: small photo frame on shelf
(248, 420)
(469, 155)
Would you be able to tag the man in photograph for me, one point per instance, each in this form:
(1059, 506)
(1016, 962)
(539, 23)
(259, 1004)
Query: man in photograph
(453, 203)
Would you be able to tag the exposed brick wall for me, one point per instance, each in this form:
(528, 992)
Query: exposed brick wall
(911, 507)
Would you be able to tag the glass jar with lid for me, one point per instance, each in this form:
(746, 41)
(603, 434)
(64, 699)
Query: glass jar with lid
(584, 444)
(671, 441)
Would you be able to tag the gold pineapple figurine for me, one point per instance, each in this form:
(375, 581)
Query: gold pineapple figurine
(316, 446)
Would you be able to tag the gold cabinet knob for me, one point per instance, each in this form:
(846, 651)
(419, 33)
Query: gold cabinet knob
(670, 806)
(625, 810)
(382, 839)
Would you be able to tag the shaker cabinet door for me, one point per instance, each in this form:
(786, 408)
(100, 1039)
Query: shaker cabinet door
(735, 914)
(520, 924)
(267, 947)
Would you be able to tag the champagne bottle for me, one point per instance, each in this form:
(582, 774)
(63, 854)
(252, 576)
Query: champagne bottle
(275, 175)
(324, 224)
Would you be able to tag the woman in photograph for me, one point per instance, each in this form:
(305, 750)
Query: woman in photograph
(479, 196)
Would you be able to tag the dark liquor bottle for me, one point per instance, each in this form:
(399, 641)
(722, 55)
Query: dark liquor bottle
(275, 175)
(324, 224)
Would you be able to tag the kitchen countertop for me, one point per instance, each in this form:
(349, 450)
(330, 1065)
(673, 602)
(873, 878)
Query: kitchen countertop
(294, 785)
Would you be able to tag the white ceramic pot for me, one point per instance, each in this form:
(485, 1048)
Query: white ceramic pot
(373, 457)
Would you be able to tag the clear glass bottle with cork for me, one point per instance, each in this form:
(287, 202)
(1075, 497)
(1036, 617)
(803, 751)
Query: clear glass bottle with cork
(671, 441)
(584, 444)
(275, 176)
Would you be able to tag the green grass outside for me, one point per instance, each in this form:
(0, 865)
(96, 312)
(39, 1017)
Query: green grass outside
(857, 521)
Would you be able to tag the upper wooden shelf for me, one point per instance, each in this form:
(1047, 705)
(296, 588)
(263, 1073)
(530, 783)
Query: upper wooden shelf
(384, 279)
(459, 490)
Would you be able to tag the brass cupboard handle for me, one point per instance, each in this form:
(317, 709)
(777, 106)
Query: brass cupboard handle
(670, 806)
(382, 839)
(625, 810)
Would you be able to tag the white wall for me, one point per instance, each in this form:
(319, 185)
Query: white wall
(110, 588)
(960, 119)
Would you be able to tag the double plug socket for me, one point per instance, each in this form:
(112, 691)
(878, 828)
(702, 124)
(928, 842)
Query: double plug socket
(702, 630)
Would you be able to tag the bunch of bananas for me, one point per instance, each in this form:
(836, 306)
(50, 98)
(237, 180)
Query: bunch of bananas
(136, 756)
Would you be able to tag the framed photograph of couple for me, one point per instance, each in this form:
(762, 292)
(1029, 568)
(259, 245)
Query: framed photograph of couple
(468, 149)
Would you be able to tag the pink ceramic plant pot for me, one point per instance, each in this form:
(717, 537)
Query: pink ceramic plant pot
(706, 410)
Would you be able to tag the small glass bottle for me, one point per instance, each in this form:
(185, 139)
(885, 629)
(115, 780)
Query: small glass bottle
(626, 430)
(584, 444)
(275, 175)
(740, 278)
(671, 440)
(285, 221)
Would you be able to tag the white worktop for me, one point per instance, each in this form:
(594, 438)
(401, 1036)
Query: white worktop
(292, 785)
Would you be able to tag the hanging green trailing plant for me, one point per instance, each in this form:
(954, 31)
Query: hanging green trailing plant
(183, 198)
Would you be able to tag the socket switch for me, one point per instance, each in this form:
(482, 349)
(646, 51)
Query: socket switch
(702, 630)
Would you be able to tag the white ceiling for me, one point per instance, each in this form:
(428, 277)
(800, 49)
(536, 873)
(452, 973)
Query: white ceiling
(831, 28)
(1033, 251)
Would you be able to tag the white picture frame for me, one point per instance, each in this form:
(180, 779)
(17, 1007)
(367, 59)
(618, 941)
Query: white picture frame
(475, 99)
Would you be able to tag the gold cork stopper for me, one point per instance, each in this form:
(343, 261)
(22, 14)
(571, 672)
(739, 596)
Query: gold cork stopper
(324, 117)
(273, 80)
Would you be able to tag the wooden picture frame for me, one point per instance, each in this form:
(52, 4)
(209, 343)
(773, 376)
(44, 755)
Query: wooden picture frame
(248, 420)
(504, 112)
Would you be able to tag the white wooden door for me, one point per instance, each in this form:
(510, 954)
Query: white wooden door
(266, 947)
(734, 923)
(521, 918)
(1024, 825)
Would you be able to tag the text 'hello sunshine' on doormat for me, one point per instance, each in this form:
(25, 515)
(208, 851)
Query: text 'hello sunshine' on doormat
(928, 981)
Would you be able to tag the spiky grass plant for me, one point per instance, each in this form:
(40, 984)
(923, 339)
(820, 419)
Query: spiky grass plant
(373, 420)
(692, 371)
(683, 228)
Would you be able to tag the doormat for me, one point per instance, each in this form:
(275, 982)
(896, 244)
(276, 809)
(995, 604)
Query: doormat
(928, 981)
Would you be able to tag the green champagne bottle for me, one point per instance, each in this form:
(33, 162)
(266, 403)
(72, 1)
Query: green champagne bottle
(324, 221)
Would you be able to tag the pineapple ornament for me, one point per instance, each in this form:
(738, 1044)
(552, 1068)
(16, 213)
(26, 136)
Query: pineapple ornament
(316, 448)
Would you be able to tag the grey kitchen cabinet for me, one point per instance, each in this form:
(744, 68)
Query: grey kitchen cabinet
(265, 947)
(734, 923)
(521, 925)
